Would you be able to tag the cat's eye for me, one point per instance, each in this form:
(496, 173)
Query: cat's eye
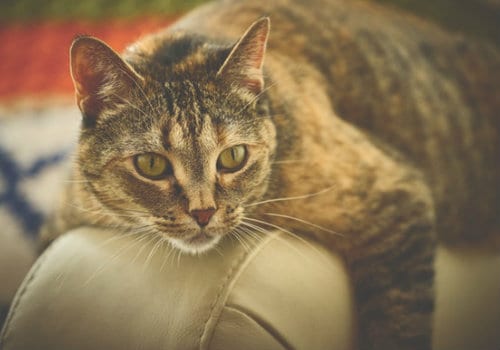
(152, 165)
(232, 159)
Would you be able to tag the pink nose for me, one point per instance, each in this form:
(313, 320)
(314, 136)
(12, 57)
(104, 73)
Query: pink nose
(203, 216)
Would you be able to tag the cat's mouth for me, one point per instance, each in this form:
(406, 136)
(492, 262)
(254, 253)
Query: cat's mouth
(192, 239)
(197, 243)
(200, 238)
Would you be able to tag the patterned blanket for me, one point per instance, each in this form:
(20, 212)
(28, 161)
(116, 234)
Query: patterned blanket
(35, 146)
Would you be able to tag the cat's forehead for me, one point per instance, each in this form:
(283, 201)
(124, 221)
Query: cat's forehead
(200, 134)
(193, 117)
(191, 113)
(196, 95)
(190, 133)
(200, 110)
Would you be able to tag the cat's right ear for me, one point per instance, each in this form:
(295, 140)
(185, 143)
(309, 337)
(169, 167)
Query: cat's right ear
(100, 76)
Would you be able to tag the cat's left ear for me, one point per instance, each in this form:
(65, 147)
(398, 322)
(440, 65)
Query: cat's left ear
(101, 77)
(243, 68)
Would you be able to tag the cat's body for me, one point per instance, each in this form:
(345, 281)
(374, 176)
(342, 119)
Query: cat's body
(383, 128)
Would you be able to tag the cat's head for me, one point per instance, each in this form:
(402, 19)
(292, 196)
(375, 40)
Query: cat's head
(175, 141)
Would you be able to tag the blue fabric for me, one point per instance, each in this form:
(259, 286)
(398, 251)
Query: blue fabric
(12, 198)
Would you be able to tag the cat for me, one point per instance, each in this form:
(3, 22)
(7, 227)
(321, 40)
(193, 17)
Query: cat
(346, 118)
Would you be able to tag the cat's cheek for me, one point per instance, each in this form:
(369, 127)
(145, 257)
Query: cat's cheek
(155, 197)
(225, 180)
(220, 221)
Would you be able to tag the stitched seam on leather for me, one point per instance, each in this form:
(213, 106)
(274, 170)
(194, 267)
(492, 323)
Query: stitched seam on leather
(238, 266)
(17, 301)
(273, 332)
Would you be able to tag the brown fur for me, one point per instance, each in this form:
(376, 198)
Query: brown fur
(372, 123)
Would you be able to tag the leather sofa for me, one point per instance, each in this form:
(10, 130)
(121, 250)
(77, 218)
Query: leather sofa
(95, 289)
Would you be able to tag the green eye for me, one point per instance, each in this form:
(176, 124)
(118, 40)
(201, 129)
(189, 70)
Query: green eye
(151, 165)
(232, 159)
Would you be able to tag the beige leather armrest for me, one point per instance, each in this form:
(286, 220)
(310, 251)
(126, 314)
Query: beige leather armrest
(468, 300)
(91, 290)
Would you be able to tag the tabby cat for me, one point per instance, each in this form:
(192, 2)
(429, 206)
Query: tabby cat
(372, 123)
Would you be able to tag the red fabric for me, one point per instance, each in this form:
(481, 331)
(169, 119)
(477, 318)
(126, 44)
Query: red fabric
(34, 57)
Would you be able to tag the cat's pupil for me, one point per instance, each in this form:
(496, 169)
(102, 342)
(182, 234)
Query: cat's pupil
(232, 159)
(151, 165)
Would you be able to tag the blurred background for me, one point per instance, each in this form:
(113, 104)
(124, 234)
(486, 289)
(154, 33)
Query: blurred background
(35, 35)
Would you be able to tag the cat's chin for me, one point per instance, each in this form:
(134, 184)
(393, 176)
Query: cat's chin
(196, 245)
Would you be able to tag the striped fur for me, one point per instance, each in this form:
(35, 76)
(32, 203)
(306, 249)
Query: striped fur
(389, 120)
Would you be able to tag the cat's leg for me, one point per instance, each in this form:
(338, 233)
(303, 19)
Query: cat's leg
(392, 268)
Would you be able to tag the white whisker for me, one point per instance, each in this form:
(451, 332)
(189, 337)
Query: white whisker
(282, 229)
(127, 102)
(279, 238)
(139, 88)
(216, 248)
(104, 212)
(252, 101)
(290, 161)
(168, 255)
(113, 258)
(139, 252)
(136, 231)
(305, 222)
(152, 252)
(253, 234)
(291, 198)
(240, 239)
(179, 253)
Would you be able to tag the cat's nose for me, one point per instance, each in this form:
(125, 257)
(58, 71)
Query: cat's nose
(202, 216)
